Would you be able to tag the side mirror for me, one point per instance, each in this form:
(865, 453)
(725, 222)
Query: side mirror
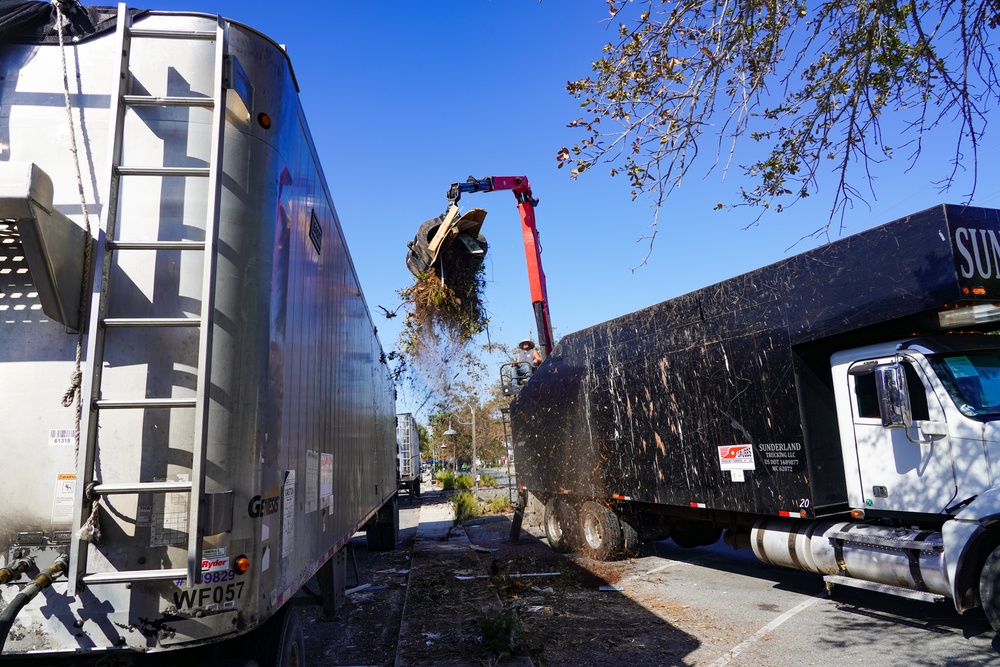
(893, 396)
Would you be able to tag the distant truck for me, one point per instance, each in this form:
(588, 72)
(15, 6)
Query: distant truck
(836, 412)
(408, 443)
(237, 420)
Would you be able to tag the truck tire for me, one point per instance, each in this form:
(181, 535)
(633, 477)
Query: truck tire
(282, 643)
(382, 531)
(630, 539)
(560, 525)
(989, 589)
(415, 489)
(601, 532)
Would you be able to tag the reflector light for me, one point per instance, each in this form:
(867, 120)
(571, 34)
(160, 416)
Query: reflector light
(242, 565)
(264, 120)
(858, 514)
(979, 314)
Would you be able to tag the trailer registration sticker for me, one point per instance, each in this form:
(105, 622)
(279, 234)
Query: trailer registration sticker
(736, 457)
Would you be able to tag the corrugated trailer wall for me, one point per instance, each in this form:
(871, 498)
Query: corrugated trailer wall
(301, 419)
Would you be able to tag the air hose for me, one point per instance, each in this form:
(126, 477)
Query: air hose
(42, 581)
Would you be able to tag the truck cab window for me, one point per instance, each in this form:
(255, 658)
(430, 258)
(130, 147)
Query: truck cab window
(918, 394)
(867, 397)
(972, 381)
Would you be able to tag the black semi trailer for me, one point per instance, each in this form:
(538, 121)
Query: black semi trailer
(837, 412)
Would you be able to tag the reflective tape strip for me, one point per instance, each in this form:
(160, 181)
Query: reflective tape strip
(702, 505)
(618, 496)
(790, 515)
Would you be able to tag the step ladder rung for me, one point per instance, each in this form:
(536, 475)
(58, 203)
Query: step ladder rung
(154, 101)
(163, 171)
(107, 404)
(142, 487)
(152, 33)
(139, 322)
(128, 576)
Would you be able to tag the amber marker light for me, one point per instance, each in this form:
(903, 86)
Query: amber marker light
(857, 514)
(241, 565)
(264, 120)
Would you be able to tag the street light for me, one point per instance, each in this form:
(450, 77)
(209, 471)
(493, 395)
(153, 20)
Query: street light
(475, 477)
(452, 431)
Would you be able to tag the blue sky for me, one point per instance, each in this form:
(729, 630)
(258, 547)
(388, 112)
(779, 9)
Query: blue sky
(405, 98)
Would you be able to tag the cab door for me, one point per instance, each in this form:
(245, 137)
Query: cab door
(903, 470)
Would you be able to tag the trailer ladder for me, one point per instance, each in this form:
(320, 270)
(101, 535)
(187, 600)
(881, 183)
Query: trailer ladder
(88, 489)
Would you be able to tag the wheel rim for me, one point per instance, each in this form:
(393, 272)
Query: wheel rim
(555, 529)
(592, 532)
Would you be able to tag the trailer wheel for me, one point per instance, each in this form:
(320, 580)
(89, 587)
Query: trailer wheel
(989, 589)
(601, 531)
(560, 525)
(415, 489)
(382, 531)
(283, 644)
(631, 544)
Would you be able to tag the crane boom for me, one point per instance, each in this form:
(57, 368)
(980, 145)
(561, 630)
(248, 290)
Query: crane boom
(526, 204)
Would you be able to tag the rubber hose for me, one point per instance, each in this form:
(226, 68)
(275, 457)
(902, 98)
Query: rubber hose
(42, 581)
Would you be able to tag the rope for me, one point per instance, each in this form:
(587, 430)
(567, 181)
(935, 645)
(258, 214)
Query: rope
(90, 531)
(74, 393)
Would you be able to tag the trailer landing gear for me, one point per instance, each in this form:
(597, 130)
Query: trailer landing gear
(382, 530)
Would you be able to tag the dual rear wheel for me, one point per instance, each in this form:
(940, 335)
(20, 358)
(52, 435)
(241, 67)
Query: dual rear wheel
(589, 527)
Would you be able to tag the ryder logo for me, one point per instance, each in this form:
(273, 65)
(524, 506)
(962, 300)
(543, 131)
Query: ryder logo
(213, 564)
(736, 457)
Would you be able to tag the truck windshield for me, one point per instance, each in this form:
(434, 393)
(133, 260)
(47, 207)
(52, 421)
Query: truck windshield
(973, 380)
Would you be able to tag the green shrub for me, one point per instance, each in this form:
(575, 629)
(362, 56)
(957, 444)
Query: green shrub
(447, 479)
(487, 481)
(463, 481)
(466, 506)
(497, 505)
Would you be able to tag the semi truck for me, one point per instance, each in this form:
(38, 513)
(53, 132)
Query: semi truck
(408, 443)
(836, 412)
(172, 265)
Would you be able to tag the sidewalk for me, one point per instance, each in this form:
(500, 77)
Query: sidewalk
(444, 617)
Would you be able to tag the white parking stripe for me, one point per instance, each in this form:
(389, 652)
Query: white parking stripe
(760, 634)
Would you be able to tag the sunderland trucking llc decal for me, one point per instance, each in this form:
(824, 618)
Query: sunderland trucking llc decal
(736, 457)
(782, 456)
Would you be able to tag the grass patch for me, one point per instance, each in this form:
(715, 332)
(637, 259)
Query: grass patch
(466, 506)
(463, 481)
(487, 481)
(447, 479)
(497, 505)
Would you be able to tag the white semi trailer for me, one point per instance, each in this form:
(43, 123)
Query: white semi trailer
(236, 420)
(408, 441)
